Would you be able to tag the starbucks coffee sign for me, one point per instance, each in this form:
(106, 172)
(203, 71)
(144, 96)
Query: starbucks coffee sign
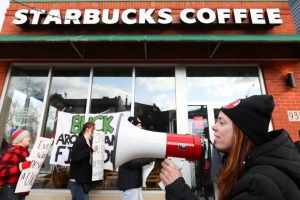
(220, 16)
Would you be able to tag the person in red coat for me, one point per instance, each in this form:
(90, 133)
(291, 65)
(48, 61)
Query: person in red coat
(12, 164)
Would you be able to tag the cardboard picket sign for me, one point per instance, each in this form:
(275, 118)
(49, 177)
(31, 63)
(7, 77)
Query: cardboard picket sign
(98, 156)
(37, 156)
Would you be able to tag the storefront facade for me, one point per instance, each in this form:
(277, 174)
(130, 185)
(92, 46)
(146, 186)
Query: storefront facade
(172, 64)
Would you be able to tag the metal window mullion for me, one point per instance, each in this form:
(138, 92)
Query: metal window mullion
(182, 112)
(89, 95)
(45, 103)
(132, 92)
(263, 90)
(5, 87)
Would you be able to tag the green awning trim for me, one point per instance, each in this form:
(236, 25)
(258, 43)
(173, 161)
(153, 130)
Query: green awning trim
(150, 38)
(59, 1)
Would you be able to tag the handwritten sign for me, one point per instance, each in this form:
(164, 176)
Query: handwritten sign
(98, 156)
(68, 127)
(37, 156)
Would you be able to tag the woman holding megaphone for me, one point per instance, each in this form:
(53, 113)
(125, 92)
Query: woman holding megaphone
(259, 164)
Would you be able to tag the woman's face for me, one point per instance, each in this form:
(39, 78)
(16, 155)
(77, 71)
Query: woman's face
(90, 131)
(223, 133)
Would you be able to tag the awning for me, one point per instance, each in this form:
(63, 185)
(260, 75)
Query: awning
(122, 48)
(150, 38)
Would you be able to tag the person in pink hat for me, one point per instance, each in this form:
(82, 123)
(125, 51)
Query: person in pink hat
(12, 164)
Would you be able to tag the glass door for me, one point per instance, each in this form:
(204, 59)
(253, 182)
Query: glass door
(201, 117)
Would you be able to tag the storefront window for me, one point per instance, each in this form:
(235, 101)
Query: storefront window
(155, 107)
(111, 93)
(68, 93)
(198, 125)
(22, 104)
(212, 84)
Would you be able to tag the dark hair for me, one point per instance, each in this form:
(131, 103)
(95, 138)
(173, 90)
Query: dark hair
(85, 126)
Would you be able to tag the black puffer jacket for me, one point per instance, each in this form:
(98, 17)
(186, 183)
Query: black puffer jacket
(80, 167)
(130, 173)
(272, 172)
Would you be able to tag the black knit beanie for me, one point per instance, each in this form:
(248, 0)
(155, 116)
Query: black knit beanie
(252, 116)
(134, 120)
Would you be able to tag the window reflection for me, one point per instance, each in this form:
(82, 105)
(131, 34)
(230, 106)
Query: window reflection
(22, 104)
(198, 125)
(210, 84)
(68, 93)
(155, 106)
(111, 91)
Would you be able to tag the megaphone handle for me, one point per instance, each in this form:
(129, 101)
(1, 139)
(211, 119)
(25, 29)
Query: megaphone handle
(179, 162)
(162, 186)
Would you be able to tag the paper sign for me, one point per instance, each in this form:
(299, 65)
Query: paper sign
(146, 171)
(37, 157)
(198, 122)
(98, 156)
(68, 127)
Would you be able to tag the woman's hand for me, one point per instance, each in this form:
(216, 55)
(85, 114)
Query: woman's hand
(169, 172)
(95, 147)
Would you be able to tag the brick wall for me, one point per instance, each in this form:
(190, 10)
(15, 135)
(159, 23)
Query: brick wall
(285, 98)
(286, 28)
(3, 71)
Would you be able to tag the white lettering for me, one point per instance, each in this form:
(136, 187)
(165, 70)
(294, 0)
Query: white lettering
(125, 18)
(257, 16)
(114, 19)
(36, 15)
(222, 15)
(164, 16)
(53, 16)
(72, 15)
(211, 14)
(146, 16)
(274, 16)
(184, 14)
(149, 16)
(21, 16)
(91, 16)
(239, 15)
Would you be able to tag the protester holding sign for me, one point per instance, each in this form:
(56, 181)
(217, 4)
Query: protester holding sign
(12, 163)
(130, 173)
(81, 163)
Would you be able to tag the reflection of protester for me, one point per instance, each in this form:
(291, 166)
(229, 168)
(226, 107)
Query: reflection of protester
(130, 173)
(204, 176)
(216, 162)
(11, 165)
(81, 163)
(259, 165)
(4, 147)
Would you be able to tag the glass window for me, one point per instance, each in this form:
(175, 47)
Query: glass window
(155, 106)
(212, 84)
(23, 104)
(111, 92)
(68, 93)
(198, 125)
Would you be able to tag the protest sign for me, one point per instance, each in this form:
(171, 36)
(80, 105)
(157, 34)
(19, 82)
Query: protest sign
(68, 127)
(37, 156)
(98, 156)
